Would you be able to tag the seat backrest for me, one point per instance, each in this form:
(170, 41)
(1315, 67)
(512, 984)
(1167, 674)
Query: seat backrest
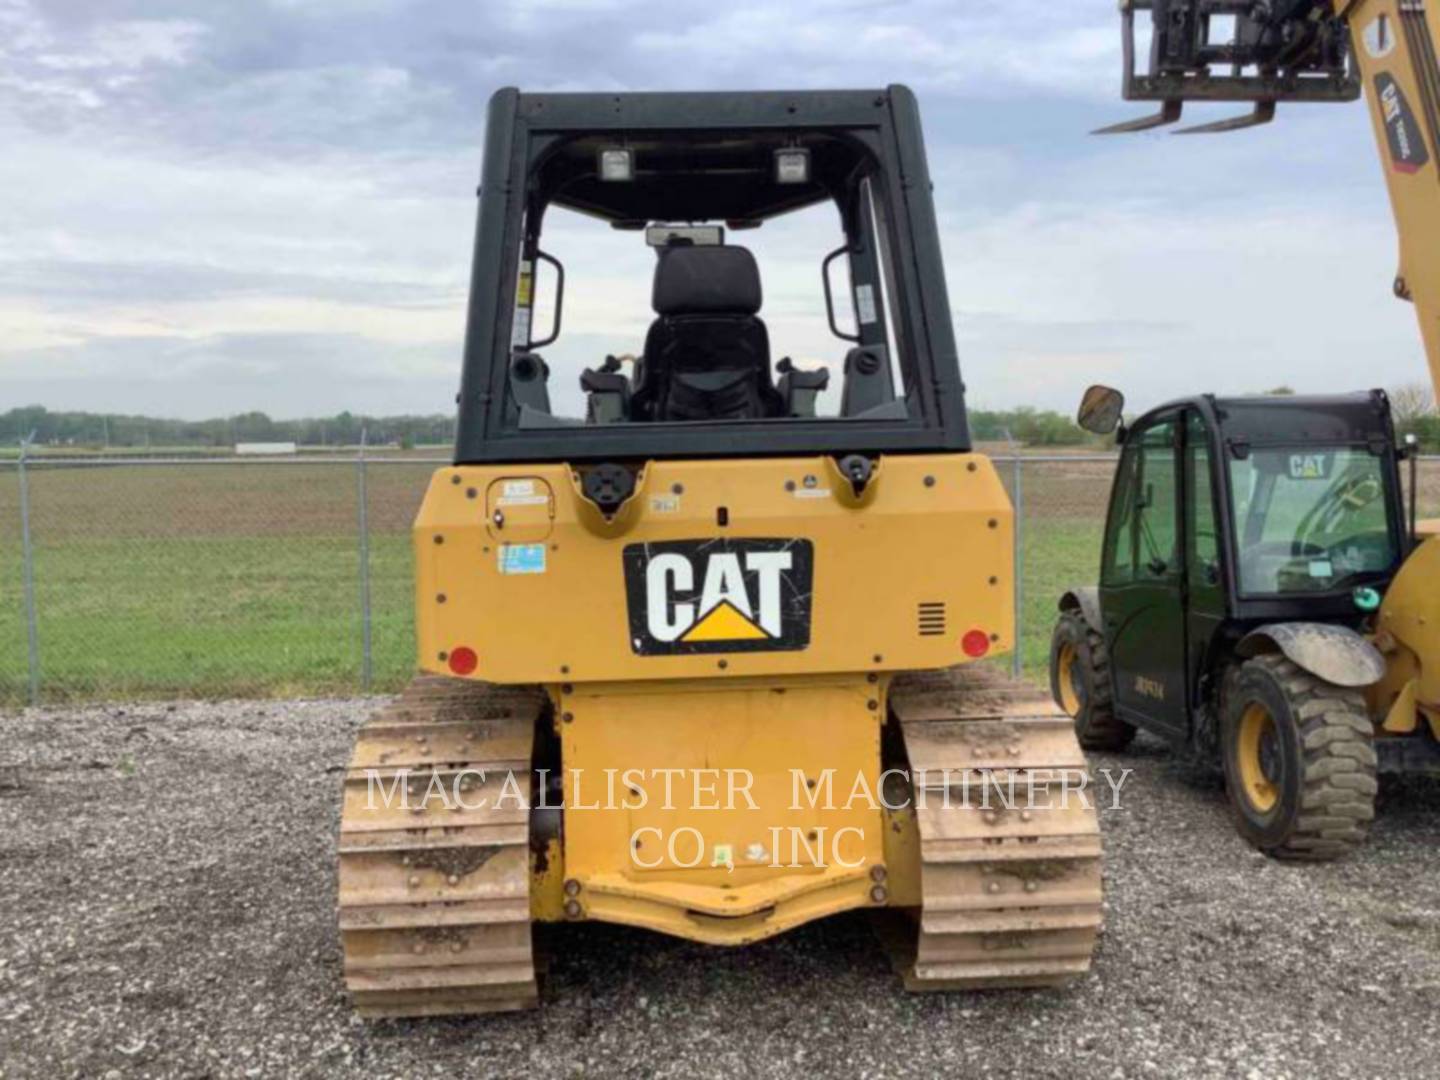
(707, 357)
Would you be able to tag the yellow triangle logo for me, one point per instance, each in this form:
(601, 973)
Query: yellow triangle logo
(724, 622)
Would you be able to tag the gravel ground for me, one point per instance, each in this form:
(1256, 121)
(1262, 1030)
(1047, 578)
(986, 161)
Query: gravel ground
(166, 909)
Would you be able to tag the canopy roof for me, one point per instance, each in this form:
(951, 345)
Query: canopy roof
(695, 176)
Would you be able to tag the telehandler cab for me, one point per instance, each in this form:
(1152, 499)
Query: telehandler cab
(698, 630)
(1248, 548)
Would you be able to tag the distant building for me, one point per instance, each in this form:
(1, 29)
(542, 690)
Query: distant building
(264, 449)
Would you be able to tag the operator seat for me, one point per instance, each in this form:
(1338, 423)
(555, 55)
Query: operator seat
(707, 357)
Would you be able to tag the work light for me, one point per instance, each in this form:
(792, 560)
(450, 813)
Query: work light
(792, 166)
(617, 165)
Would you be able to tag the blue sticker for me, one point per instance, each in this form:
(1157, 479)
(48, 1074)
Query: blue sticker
(522, 558)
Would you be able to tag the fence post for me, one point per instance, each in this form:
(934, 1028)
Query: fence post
(1017, 666)
(27, 561)
(363, 501)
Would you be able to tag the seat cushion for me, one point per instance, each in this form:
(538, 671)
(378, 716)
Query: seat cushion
(707, 367)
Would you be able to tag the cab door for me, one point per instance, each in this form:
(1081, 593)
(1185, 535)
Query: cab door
(1205, 570)
(1142, 580)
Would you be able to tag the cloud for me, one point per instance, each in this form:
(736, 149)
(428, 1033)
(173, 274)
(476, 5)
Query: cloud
(228, 206)
(1243, 298)
(51, 74)
(986, 50)
(178, 376)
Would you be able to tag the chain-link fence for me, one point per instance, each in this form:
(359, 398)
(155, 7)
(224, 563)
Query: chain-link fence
(204, 577)
(144, 578)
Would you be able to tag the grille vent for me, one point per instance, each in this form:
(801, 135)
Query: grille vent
(931, 619)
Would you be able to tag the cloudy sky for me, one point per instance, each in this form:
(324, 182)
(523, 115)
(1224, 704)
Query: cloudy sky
(209, 206)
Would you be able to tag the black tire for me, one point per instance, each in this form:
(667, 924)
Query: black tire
(1080, 684)
(1314, 795)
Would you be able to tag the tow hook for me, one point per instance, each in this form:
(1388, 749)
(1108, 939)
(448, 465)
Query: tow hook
(858, 469)
(608, 486)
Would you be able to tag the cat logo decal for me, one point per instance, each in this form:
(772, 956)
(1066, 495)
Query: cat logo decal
(719, 595)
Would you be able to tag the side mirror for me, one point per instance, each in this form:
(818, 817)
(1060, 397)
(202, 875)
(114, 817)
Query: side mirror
(1100, 410)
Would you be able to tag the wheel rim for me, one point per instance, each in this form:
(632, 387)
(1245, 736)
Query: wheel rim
(1258, 757)
(1072, 688)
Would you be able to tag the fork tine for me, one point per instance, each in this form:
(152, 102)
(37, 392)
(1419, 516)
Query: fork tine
(1263, 114)
(1168, 114)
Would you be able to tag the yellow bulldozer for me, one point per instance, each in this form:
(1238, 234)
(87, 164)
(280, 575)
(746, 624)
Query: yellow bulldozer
(698, 629)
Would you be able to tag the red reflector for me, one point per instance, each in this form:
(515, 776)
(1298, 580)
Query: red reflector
(976, 643)
(463, 660)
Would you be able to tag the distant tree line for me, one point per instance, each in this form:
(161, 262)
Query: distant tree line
(1413, 407)
(1030, 427)
(1426, 430)
(106, 429)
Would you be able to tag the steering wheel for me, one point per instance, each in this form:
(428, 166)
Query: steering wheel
(1358, 492)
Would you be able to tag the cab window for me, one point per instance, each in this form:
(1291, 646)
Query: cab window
(1118, 564)
(677, 317)
(1156, 528)
(1203, 536)
(1311, 519)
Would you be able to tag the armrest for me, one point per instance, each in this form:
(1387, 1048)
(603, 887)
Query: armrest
(800, 388)
(607, 393)
(529, 379)
(867, 381)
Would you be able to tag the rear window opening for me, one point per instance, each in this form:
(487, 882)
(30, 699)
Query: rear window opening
(710, 317)
(610, 287)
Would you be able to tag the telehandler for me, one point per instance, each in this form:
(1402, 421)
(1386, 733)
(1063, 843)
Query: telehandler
(1247, 548)
(698, 635)
(1263, 599)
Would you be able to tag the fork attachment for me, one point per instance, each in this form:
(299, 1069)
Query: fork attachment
(1280, 50)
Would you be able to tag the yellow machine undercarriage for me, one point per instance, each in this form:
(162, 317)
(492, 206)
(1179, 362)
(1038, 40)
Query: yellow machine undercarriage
(732, 789)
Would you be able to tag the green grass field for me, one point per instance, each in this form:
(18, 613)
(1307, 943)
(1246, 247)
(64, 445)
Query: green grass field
(218, 580)
(242, 579)
(206, 617)
(1056, 558)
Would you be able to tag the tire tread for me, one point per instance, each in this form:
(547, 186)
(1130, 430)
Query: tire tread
(1338, 781)
(1102, 729)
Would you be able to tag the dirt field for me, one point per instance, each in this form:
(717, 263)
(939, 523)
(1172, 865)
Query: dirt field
(166, 902)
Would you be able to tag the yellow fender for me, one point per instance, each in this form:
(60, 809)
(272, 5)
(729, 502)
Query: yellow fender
(1410, 617)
